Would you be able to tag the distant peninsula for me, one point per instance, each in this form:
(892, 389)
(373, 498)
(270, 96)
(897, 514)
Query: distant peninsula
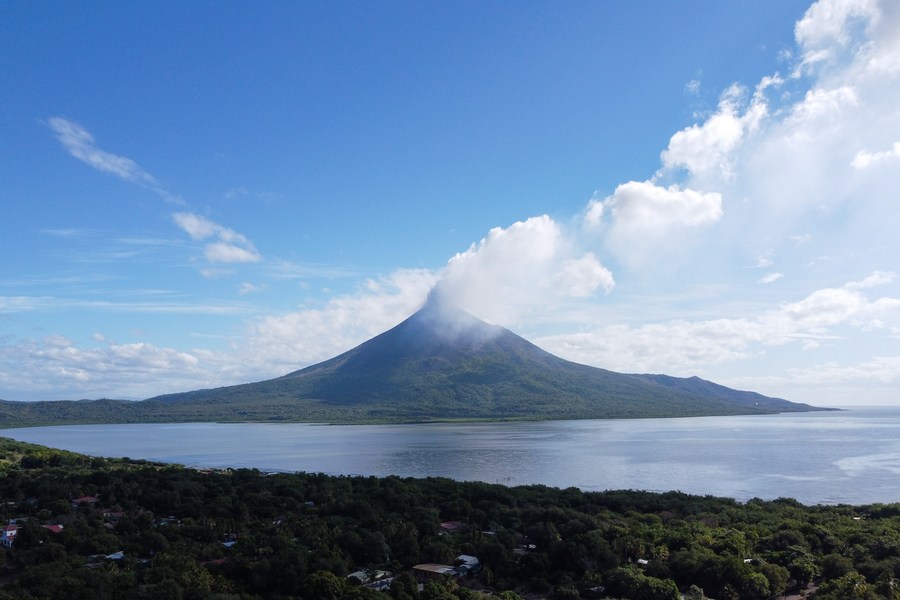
(440, 364)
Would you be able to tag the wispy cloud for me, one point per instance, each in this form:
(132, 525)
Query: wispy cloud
(283, 269)
(228, 245)
(250, 288)
(70, 233)
(240, 192)
(14, 304)
(80, 144)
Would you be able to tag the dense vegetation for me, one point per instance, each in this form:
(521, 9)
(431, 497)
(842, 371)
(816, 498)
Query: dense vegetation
(133, 530)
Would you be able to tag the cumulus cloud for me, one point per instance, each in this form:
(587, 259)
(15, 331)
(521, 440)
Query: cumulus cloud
(58, 365)
(771, 278)
(515, 270)
(580, 277)
(286, 342)
(650, 223)
(683, 347)
(804, 148)
(865, 159)
(228, 245)
(820, 108)
(868, 382)
(708, 148)
(825, 31)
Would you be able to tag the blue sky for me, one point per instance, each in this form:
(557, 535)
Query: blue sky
(201, 194)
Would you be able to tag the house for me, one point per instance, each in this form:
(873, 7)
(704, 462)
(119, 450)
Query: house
(54, 528)
(8, 535)
(467, 565)
(433, 572)
(453, 527)
(85, 501)
(374, 580)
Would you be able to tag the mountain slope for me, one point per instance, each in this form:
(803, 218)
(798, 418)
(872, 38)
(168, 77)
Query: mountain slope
(439, 364)
(442, 363)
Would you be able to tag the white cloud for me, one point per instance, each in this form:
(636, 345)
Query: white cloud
(643, 208)
(821, 108)
(520, 269)
(230, 247)
(199, 228)
(683, 347)
(763, 260)
(56, 365)
(864, 159)
(812, 152)
(708, 148)
(651, 224)
(825, 31)
(869, 382)
(883, 369)
(875, 279)
(278, 344)
(79, 142)
(580, 277)
(250, 288)
(816, 158)
(14, 304)
(240, 192)
(223, 252)
(593, 214)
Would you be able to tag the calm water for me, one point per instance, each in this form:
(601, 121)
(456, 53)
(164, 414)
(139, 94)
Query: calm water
(832, 457)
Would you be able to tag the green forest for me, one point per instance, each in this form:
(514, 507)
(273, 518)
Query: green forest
(87, 527)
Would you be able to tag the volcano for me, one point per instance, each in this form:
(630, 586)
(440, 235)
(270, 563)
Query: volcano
(440, 364)
(444, 364)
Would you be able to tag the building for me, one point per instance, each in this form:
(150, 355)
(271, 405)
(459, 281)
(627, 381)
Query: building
(465, 566)
(433, 572)
(8, 535)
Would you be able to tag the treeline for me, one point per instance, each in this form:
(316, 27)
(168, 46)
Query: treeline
(134, 530)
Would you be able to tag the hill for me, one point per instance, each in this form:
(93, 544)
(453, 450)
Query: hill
(439, 364)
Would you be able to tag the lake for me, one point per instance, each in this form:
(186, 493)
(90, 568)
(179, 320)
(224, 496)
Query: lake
(817, 458)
